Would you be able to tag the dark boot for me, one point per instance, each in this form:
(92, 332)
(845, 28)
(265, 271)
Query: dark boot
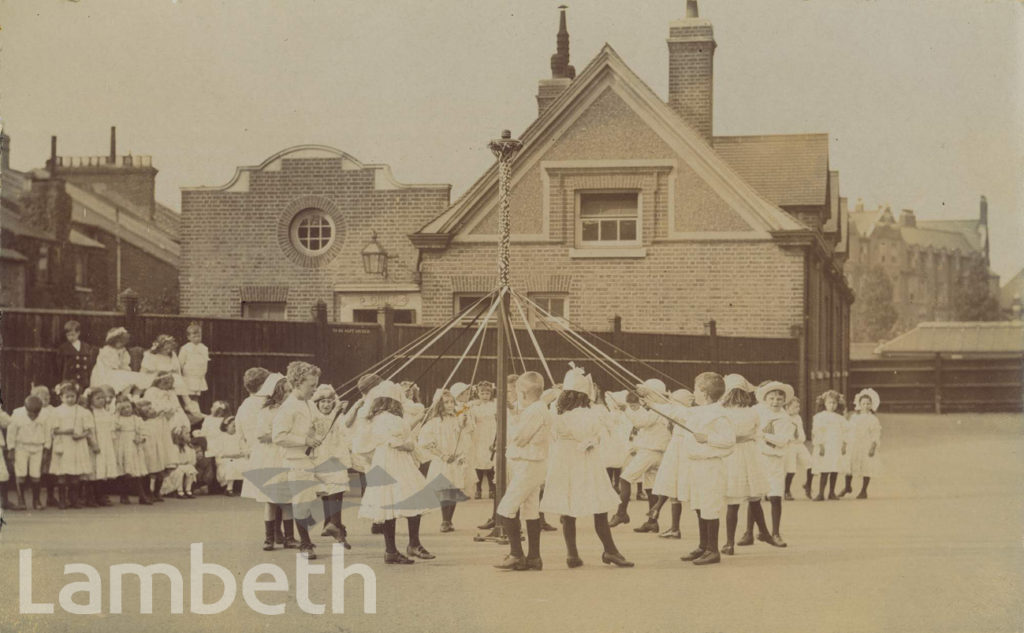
(5, 503)
(712, 556)
(789, 484)
(864, 488)
(74, 499)
(51, 493)
(515, 531)
(268, 531)
(62, 496)
(732, 518)
(289, 535)
(702, 547)
(479, 484)
(545, 526)
(37, 495)
(140, 490)
(158, 483)
(807, 484)
(88, 494)
(572, 555)
(847, 487)
(533, 529)
(20, 504)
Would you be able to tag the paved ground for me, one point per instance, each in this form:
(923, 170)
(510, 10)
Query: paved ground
(938, 547)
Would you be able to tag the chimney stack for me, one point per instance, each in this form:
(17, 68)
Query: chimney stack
(5, 151)
(562, 72)
(113, 145)
(907, 218)
(691, 51)
(53, 156)
(983, 225)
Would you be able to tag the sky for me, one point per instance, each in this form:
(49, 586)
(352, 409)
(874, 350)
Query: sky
(922, 99)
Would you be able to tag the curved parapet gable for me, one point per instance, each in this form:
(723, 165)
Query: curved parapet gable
(383, 178)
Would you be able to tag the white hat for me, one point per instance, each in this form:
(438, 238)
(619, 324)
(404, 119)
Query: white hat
(683, 396)
(774, 385)
(324, 392)
(653, 385)
(736, 381)
(115, 332)
(458, 388)
(386, 389)
(618, 397)
(267, 388)
(871, 393)
(577, 380)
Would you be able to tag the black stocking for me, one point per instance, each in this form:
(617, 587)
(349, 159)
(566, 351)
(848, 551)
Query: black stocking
(732, 516)
(776, 514)
(389, 537)
(677, 514)
(604, 533)
(414, 531)
(533, 538)
(515, 530)
(623, 497)
(569, 533)
(702, 530)
(832, 484)
(789, 482)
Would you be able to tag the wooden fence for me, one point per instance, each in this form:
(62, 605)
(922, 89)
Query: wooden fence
(943, 384)
(29, 338)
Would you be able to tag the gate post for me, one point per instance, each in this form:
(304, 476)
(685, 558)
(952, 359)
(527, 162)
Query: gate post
(322, 352)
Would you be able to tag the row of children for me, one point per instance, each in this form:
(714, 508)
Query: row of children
(95, 443)
(83, 364)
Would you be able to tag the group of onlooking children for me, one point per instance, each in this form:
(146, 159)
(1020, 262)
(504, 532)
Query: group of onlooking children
(113, 431)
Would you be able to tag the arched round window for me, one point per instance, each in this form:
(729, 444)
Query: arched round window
(312, 232)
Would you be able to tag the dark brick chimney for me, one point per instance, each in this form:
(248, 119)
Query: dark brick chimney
(691, 52)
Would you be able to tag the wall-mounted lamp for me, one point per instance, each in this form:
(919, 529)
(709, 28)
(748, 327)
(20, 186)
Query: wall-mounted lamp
(375, 258)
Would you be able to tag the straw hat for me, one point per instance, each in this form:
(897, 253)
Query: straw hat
(683, 397)
(386, 389)
(736, 381)
(870, 393)
(268, 386)
(774, 385)
(457, 389)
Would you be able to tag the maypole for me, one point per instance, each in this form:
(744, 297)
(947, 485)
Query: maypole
(505, 150)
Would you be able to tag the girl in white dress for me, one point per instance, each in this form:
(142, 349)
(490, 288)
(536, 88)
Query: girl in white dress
(797, 458)
(231, 457)
(114, 365)
(776, 431)
(162, 357)
(865, 438)
(332, 459)
(577, 484)
(448, 438)
(71, 458)
(131, 461)
(194, 357)
(263, 470)
(827, 440)
(295, 436)
(105, 461)
(171, 416)
(483, 416)
(666, 482)
(745, 477)
(615, 441)
(406, 495)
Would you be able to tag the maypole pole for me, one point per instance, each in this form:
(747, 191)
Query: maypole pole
(505, 150)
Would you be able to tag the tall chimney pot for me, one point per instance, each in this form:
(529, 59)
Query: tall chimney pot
(691, 9)
(113, 145)
(53, 155)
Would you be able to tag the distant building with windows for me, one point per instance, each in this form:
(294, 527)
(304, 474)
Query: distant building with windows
(309, 224)
(924, 259)
(82, 230)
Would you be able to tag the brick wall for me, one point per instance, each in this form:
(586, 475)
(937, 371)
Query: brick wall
(137, 184)
(749, 288)
(233, 239)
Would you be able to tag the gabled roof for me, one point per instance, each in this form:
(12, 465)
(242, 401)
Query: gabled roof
(930, 238)
(607, 69)
(91, 209)
(863, 221)
(789, 170)
(1011, 290)
(967, 228)
(11, 221)
(991, 337)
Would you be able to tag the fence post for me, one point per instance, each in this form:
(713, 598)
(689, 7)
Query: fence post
(322, 353)
(798, 332)
(712, 329)
(938, 383)
(386, 318)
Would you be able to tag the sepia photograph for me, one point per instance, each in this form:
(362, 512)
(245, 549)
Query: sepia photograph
(355, 316)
